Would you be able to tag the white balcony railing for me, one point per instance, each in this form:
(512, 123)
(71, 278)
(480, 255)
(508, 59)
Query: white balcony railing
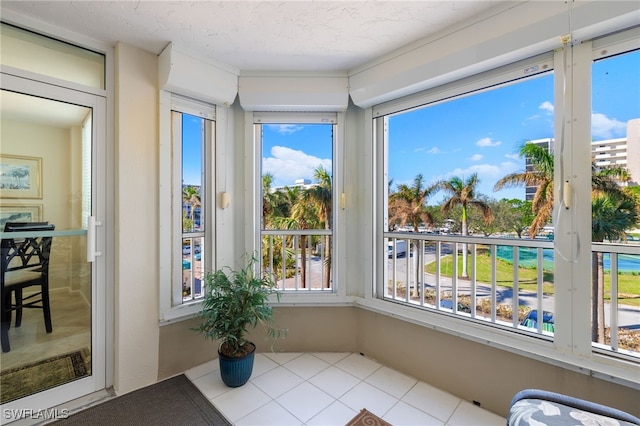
(508, 283)
(298, 260)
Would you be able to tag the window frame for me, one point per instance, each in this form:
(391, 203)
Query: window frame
(170, 236)
(253, 241)
(600, 49)
(571, 346)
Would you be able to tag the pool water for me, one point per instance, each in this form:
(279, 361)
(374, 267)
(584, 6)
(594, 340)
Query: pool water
(528, 257)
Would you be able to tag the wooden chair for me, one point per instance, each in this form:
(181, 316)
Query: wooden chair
(25, 263)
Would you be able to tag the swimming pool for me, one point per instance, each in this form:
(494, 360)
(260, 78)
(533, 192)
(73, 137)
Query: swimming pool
(528, 257)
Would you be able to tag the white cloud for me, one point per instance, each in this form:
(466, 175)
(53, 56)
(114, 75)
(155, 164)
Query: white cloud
(547, 107)
(287, 165)
(488, 174)
(285, 129)
(607, 128)
(433, 150)
(419, 149)
(485, 142)
(483, 170)
(476, 157)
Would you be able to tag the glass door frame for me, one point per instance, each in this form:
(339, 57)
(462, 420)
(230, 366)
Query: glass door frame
(101, 296)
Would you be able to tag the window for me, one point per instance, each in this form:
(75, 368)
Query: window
(187, 251)
(456, 170)
(615, 148)
(297, 199)
(57, 59)
(502, 140)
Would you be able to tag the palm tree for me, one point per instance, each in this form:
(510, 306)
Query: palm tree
(540, 176)
(191, 198)
(613, 211)
(463, 193)
(611, 215)
(408, 205)
(321, 195)
(303, 215)
(295, 212)
(275, 206)
(268, 199)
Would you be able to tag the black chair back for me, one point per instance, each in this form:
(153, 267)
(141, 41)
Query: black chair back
(21, 257)
(21, 253)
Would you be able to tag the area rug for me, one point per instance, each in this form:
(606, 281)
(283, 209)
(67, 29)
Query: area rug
(35, 377)
(367, 418)
(175, 401)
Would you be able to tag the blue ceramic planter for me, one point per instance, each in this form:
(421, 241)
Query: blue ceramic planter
(236, 372)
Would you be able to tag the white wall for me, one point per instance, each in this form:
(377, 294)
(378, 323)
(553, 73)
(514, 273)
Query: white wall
(136, 228)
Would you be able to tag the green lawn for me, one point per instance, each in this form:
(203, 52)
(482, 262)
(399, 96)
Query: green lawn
(628, 285)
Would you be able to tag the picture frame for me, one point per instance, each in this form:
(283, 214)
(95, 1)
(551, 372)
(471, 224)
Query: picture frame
(19, 213)
(20, 177)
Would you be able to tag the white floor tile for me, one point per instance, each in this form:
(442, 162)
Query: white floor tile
(331, 357)
(262, 364)
(282, 357)
(238, 402)
(431, 400)
(334, 381)
(467, 414)
(202, 369)
(358, 365)
(391, 381)
(211, 384)
(336, 414)
(305, 401)
(277, 381)
(306, 366)
(370, 397)
(403, 414)
(329, 389)
(270, 414)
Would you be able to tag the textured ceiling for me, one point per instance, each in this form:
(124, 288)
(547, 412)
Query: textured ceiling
(279, 36)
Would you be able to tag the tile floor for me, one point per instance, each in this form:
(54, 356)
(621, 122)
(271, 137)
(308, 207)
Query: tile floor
(329, 389)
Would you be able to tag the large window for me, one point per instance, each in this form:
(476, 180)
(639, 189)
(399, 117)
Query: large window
(615, 148)
(457, 172)
(297, 198)
(480, 190)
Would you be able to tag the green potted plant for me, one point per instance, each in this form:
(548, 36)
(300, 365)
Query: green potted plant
(236, 301)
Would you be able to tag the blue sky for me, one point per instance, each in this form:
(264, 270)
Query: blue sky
(294, 151)
(479, 133)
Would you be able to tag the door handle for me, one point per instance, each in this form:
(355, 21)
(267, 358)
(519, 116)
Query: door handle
(92, 224)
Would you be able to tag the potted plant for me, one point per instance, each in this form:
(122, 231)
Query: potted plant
(235, 301)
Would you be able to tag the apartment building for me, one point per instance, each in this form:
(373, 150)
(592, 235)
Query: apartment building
(620, 152)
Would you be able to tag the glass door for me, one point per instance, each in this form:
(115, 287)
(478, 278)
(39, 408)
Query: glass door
(52, 164)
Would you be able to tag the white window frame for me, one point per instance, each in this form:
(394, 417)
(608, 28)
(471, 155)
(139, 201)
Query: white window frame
(602, 48)
(571, 348)
(170, 236)
(254, 215)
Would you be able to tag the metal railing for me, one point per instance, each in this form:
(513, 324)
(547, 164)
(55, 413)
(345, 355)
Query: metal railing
(508, 282)
(621, 292)
(298, 260)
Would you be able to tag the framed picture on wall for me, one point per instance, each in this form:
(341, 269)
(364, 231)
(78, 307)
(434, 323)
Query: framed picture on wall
(19, 213)
(20, 177)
